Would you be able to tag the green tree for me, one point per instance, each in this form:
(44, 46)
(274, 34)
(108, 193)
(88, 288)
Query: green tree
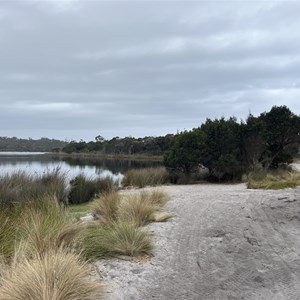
(184, 153)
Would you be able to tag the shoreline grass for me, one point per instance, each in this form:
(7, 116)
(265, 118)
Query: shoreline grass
(279, 179)
(146, 177)
(42, 245)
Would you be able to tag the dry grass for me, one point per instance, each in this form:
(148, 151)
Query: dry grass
(105, 208)
(39, 225)
(58, 275)
(140, 208)
(46, 225)
(279, 179)
(136, 209)
(8, 233)
(145, 176)
(161, 216)
(21, 187)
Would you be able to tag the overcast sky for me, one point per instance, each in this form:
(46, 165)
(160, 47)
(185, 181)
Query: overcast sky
(76, 69)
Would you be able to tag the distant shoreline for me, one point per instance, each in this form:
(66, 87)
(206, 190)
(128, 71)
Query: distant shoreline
(106, 156)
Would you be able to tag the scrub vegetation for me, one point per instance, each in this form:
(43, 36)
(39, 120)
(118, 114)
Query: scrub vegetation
(146, 176)
(119, 218)
(45, 247)
(228, 148)
(276, 179)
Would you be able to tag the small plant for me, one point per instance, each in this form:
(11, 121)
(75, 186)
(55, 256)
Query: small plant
(84, 189)
(145, 176)
(58, 275)
(120, 238)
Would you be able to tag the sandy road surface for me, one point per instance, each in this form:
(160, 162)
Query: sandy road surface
(225, 242)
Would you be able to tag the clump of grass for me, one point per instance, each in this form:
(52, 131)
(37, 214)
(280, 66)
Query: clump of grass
(57, 275)
(46, 225)
(136, 209)
(84, 189)
(39, 225)
(105, 208)
(145, 176)
(8, 233)
(140, 208)
(279, 179)
(120, 238)
(21, 187)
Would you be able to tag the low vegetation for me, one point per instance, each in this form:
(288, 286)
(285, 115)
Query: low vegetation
(119, 238)
(57, 275)
(145, 176)
(38, 240)
(276, 179)
(120, 217)
(138, 208)
(42, 241)
(21, 187)
(84, 189)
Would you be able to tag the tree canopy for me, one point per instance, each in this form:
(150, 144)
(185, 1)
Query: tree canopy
(228, 148)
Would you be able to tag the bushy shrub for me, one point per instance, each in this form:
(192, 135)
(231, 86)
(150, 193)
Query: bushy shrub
(84, 189)
(145, 176)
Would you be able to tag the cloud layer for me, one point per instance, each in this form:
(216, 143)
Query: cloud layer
(75, 69)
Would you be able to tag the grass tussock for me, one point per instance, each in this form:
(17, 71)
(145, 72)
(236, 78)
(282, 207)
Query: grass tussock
(8, 233)
(145, 176)
(58, 275)
(21, 187)
(279, 179)
(137, 208)
(140, 208)
(40, 225)
(46, 225)
(120, 238)
(120, 216)
(106, 207)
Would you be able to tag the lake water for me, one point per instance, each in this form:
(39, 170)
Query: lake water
(37, 163)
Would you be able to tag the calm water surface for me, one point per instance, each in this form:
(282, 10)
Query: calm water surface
(37, 163)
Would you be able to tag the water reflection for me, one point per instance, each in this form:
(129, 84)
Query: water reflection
(39, 163)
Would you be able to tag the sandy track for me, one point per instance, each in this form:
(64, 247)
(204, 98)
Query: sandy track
(225, 242)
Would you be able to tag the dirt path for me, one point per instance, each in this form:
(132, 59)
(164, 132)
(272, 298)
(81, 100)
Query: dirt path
(225, 242)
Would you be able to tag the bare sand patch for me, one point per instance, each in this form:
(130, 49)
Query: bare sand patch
(224, 242)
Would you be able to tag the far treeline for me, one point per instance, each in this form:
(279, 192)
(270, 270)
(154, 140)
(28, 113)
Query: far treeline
(30, 145)
(225, 147)
(147, 146)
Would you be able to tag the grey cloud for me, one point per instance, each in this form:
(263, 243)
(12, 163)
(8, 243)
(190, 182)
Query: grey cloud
(72, 68)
